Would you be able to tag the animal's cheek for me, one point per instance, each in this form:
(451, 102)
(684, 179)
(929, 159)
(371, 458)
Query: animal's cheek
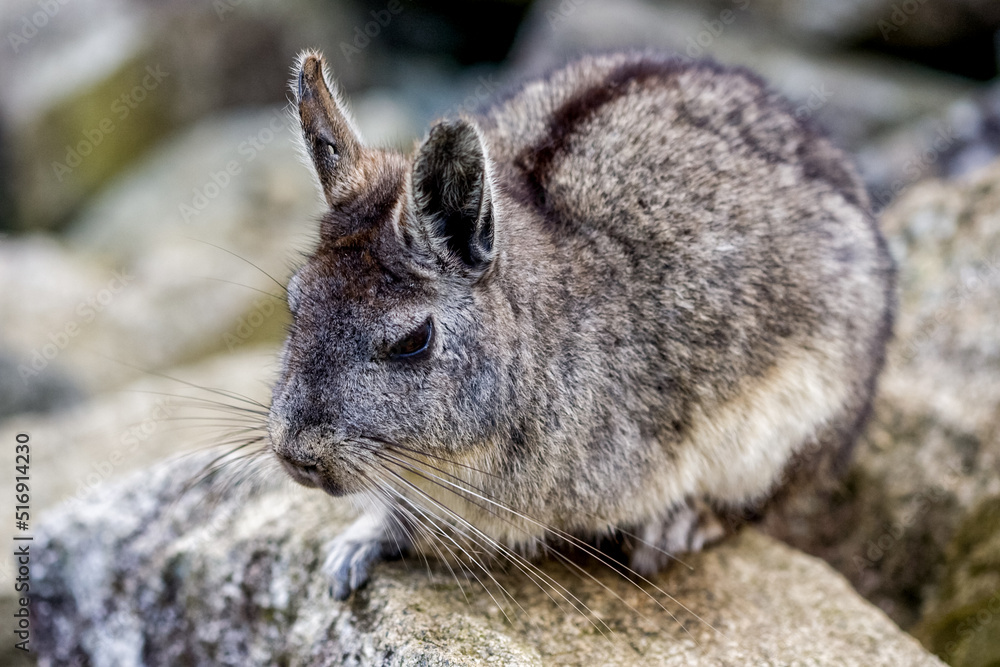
(277, 429)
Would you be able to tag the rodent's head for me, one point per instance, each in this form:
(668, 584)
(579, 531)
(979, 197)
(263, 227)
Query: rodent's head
(393, 338)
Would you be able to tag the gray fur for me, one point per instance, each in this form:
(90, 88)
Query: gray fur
(652, 289)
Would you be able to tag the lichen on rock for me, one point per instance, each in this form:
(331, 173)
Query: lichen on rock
(141, 573)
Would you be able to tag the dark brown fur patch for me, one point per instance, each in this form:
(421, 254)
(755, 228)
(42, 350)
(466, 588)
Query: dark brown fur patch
(536, 161)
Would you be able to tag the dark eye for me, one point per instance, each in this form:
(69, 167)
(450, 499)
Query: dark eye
(414, 343)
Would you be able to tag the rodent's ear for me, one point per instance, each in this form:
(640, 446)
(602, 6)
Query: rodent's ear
(452, 196)
(330, 137)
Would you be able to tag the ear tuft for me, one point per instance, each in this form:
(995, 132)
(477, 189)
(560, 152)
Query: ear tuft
(452, 196)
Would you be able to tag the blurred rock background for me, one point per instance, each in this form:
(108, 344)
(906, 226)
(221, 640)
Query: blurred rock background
(152, 202)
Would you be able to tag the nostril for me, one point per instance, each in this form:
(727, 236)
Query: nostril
(304, 473)
(301, 451)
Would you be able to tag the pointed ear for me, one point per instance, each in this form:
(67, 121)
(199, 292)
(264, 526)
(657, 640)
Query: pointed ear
(330, 138)
(452, 197)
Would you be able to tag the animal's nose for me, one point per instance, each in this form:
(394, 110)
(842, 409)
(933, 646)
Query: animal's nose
(302, 471)
(297, 453)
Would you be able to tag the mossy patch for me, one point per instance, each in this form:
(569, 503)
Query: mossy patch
(962, 624)
(84, 140)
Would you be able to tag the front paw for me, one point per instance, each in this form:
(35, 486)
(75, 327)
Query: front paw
(686, 529)
(348, 565)
(352, 554)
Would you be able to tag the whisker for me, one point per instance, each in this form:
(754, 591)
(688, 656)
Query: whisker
(464, 481)
(480, 565)
(220, 462)
(587, 548)
(219, 392)
(397, 446)
(232, 445)
(504, 550)
(526, 567)
(646, 543)
(388, 510)
(183, 422)
(244, 259)
(417, 521)
(233, 282)
(381, 486)
(404, 505)
(200, 399)
(246, 469)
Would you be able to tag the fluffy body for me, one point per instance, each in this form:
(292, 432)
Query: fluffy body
(653, 291)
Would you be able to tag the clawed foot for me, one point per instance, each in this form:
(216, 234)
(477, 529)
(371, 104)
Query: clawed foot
(351, 555)
(688, 528)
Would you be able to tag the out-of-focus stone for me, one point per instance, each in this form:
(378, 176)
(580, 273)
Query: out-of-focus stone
(931, 454)
(143, 574)
(963, 139)
(50, 391)
(171, 263)
(854, 98)
(962, 622)
(103, 81)
(914, 23)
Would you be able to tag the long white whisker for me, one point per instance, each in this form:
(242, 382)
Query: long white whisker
(518, 561)
(444, 534)
(403, 506)
(459, 491)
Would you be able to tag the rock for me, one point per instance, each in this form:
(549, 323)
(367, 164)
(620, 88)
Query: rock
(965, 138)
(58, 302)
(170, 264)
(75, 105)
(855, 98)
(962, 622)
(142, 574)
(930, 457)
(81, 450)
(97, 84)
(913, 23)
(52, 391)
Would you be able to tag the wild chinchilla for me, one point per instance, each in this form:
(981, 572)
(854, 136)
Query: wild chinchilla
(631, 295)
